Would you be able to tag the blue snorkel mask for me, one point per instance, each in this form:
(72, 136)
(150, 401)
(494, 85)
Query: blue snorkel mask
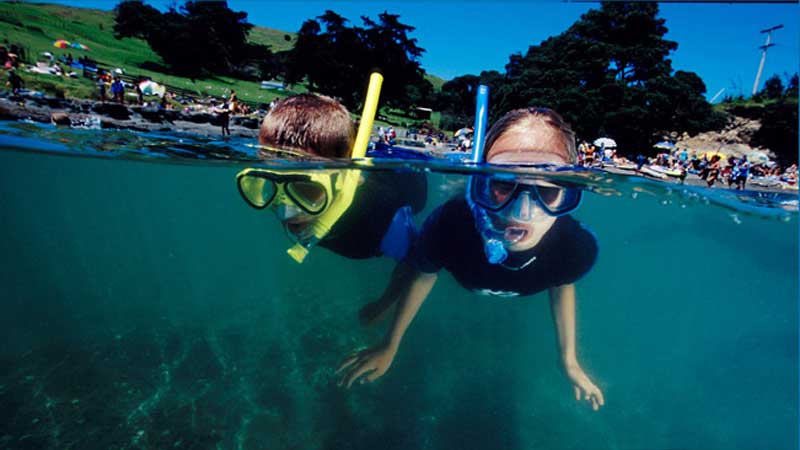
(488, 194)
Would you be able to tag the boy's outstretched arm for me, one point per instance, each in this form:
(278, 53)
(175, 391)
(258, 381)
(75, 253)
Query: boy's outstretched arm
(562, 306)
(374, 312)
(374, 362)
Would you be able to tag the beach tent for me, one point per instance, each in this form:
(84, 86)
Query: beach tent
(665, 145)
(605, 142)
(758, 157)
(61, 44)
(463, 132)
(149, 87)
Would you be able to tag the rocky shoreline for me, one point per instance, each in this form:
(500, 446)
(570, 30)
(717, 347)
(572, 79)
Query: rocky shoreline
(109, 115)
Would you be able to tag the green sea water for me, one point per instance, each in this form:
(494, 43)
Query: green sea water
(143, 305)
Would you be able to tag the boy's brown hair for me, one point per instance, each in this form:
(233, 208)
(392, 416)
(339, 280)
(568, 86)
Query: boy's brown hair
(309, 123)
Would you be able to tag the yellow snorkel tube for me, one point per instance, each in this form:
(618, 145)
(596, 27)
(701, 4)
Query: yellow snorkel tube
(346, 190)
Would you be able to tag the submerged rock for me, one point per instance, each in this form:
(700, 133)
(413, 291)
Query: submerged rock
(60, 118)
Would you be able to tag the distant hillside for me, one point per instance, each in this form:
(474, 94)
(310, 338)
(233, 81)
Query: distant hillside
(435, 81)
(35, 26)
(275, 39)
(41, 24)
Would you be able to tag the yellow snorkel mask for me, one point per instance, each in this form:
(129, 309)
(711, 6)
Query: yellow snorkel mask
(261, 188)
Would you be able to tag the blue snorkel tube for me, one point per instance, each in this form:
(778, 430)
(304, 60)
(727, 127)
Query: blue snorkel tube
(495, 250)
(481, 117)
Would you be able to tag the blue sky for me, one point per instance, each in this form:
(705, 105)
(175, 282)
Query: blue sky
(718, 41)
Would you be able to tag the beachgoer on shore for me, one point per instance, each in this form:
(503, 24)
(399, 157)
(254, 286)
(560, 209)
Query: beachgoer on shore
(743, 173)
(118, 90)
(233, 102)
(507, 238)
(224, 114)
(15, 81)
(714, 167)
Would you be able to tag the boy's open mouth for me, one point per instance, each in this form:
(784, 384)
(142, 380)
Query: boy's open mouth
(295, 226)
(514, 234)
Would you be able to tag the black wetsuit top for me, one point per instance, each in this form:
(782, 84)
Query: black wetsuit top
(450, 240)
(359, 232)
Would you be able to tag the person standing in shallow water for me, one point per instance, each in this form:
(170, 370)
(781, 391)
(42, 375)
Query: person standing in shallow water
(508, 238)
(224, 113)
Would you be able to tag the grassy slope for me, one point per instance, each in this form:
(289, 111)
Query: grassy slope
(435, 81)
(37, 26)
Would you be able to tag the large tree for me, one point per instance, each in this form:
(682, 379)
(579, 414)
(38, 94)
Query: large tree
(198, 37)
(335, 58)
(456, 100)
(610, 74)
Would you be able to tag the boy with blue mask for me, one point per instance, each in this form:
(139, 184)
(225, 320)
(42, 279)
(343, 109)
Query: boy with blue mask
(509, 237)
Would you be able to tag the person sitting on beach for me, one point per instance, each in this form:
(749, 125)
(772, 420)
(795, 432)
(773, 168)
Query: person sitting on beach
(509, 237)
(379, 219)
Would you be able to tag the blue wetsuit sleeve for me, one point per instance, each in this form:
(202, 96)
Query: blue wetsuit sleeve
(426, 252)
(400, 235)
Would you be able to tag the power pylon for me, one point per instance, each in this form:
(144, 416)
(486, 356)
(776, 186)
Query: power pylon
(764, 48)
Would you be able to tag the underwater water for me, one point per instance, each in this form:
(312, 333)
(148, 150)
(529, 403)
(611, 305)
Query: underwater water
(144, 305)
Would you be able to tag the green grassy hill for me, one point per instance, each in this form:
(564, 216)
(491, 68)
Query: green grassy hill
(36, 26)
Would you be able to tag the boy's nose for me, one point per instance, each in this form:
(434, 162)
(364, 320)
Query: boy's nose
(285, 212)
(523, 207)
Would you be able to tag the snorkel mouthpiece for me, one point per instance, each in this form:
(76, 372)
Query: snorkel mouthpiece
(298, 253)
(493, 248)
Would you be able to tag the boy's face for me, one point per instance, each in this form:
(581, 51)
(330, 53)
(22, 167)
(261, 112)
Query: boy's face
(295, 222)
(539, 145)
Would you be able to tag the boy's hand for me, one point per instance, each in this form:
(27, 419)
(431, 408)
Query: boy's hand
(584, 387)
(372, 362)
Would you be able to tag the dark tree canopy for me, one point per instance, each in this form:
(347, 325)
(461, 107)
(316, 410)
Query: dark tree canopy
(199, 37)
(607, 74)
(773, 88)
(335, 58)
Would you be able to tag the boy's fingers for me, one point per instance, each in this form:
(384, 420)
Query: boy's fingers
(356, 374)
(346, 363)
(374, 375)
(577, 392)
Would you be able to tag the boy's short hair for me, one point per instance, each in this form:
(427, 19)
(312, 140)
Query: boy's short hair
(309, 123)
